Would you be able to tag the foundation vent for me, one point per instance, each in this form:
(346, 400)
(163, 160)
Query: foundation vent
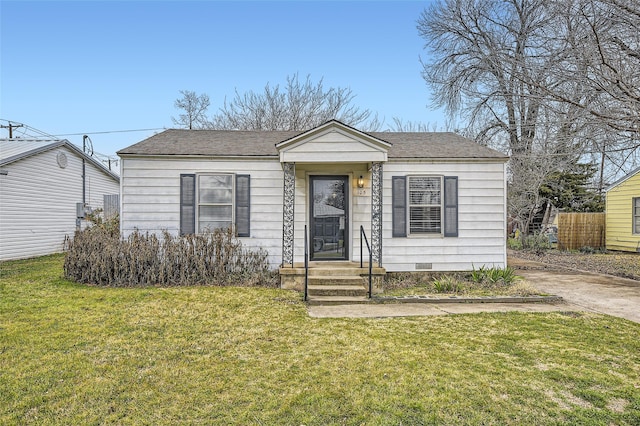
(424, 266)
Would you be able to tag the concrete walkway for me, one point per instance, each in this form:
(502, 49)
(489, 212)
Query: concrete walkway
(424, 309)
(581, 291)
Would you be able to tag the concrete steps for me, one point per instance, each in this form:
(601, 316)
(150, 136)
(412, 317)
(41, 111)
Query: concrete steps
(336, 290)
(333, 283)
(337, 300)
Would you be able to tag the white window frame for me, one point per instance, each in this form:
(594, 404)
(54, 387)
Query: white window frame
(232, 203)
(410, 205)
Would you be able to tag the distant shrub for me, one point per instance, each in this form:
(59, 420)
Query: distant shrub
(99, 256)
(537, 243)
(514, 243)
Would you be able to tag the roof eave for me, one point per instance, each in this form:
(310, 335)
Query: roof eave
(55, 145)
(30, 153)
(623, 179)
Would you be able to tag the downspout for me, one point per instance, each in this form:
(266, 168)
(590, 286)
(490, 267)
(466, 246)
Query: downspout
(84, 176)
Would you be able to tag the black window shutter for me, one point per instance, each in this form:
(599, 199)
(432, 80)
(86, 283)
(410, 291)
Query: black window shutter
(451, 206)
(243, 205)
(399, 203)
(187, 204)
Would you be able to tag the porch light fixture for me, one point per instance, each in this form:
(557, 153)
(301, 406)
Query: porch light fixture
(360, 182)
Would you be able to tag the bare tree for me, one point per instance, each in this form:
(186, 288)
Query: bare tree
(479, 49)
(601, 62)
(195, 110)
(400, 125)
(553, 83)
(488, 61)
(300, 105)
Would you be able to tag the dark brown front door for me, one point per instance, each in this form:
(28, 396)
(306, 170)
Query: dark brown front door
(329, 217)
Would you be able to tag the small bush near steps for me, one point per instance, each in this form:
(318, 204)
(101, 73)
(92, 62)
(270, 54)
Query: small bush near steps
(98, 256)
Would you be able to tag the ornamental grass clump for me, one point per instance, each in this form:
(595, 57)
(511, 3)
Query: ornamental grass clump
(494, 276)
(95, 256)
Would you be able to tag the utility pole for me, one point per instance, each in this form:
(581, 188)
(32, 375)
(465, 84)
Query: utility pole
(11, 126)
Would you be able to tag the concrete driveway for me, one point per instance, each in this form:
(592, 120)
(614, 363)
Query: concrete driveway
(585, 291)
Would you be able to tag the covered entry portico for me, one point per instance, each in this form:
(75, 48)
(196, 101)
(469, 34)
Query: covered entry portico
(332, 186)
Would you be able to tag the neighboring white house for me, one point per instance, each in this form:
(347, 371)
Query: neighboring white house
(426, 201)
(41, 183)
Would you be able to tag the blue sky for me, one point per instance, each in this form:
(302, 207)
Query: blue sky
(73, 68)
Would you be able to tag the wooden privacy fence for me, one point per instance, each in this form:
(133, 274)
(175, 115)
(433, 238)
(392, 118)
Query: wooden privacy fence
(578, 230)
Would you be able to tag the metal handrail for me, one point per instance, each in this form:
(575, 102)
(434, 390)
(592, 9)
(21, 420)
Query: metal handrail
(306, 264)
(363, 236)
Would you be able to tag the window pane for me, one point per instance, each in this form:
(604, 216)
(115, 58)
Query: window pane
(424, 190)
(424, 220)
(424, 197)
(212, 217)
(215, 213)
(215, 189)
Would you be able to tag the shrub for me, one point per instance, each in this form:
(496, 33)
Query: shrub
(98, 256)
(446, 284)
(111, 225)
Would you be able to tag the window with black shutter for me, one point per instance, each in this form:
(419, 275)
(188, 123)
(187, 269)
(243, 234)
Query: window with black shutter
(423, 205)
(211, 201)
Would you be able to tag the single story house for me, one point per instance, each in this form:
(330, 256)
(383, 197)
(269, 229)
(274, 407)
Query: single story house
(45, 189)
(623, 213)
(426, 201)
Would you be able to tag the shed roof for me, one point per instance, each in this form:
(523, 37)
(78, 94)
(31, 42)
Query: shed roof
(12, 150)
(239, 143)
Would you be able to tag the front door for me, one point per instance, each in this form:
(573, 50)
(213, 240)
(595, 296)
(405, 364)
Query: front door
(329, 217)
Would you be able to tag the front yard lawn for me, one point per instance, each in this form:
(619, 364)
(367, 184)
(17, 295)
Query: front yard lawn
(76, 354)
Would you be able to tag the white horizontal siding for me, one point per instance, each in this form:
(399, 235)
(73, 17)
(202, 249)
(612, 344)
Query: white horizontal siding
(38, 202)
(151, 190)
(150, 199)
(481, 220)
(333, 147)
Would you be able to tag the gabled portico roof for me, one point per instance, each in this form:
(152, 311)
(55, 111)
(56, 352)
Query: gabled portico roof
(333, 142)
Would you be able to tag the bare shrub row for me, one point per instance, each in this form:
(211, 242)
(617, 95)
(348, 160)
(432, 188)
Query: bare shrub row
(98, 256)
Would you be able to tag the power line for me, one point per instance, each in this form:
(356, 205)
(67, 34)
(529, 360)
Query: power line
(111, 131)
(28, 132)
(32, 132)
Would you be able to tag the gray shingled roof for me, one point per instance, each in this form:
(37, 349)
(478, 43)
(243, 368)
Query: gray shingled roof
(234, 143)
